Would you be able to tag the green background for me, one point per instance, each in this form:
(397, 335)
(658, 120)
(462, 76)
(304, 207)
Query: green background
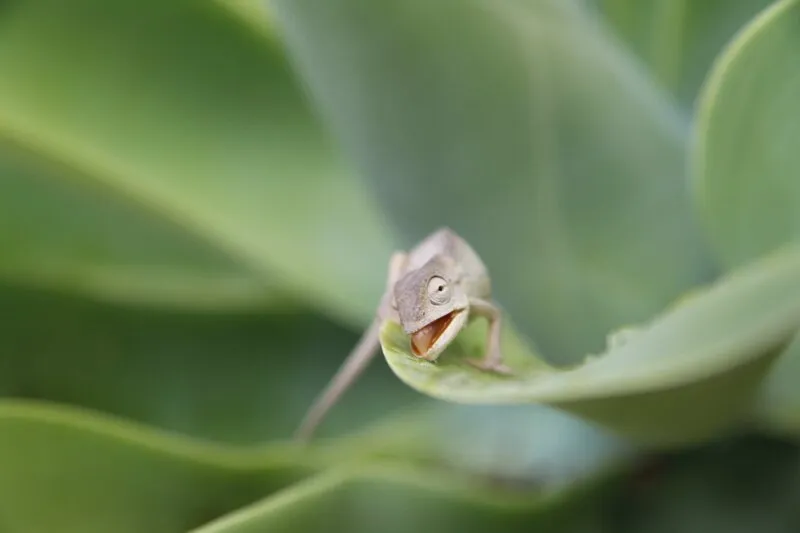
(198, 201)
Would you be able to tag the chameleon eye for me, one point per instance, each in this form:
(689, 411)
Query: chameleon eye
(438, 290)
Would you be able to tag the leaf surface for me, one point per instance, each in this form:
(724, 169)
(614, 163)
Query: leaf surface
(745, 169)
(685, 376)
(678, 39)
(130, 137)
(526, 129)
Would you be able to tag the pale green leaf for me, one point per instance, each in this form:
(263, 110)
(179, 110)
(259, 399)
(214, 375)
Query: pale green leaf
(524, 466)
(399, 499)
(777, 408)
(746, 168)
(678, 39)
(523, 127)
(686, 376)
(97, 473)
(59, 235)
(746, 157)
(181, 115)
(240, 376)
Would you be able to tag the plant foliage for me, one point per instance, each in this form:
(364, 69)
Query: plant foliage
(198, 201)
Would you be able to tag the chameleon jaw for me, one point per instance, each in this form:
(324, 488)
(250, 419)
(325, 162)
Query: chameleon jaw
(431, 340)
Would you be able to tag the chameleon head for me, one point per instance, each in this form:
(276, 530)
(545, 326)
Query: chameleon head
(432, 306)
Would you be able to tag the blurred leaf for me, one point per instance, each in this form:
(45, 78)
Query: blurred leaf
(526, 130)
(746, 159)
(777, 408)
(678, 39)
(98, 475)
(396, 498)
(533, 446)
(686, 376)
(200, 127)
(540, 455)
(129, 466)
(225, 377)
(544, 456)
(142, 480)
(246, 378)
(56, 235)
(744, 486)
(251, 10)
(746, 169)
(235, 377)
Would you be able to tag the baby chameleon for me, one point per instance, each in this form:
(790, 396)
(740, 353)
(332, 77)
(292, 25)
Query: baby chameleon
(433, 291)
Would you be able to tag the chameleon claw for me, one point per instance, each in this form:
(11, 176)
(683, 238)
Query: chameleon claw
(488, 365)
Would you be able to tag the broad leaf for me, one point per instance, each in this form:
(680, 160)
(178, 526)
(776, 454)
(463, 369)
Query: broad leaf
(196, 124)
(777, 408)
(399, 499)
(523, 127)
(746, 168)
(526, 467)
(677, 39)
(139, 479)
(745, 164)
(526, 445)
(98, 475)
(63, 236)
(740, 486)
(686, 376)
(235, 377)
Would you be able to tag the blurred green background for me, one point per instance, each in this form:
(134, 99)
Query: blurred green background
(198, 201)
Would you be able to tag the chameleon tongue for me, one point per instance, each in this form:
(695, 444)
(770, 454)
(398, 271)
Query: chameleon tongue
(423, 339)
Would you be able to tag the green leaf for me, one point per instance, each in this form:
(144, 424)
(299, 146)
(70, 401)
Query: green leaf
(399, 499)
(777, 408)
(233, 377)
(64, 237)
(99, 475)
(198, 132)
(523, 127)
(739, 486)
(127, 468)
(745, 163)
(678, 39)
(687, 376)
(525, 445)
(527, 467)
(245, 378)
(141, 479)
(746, 169)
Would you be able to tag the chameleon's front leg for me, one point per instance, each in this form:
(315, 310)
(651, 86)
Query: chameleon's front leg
(493, 359)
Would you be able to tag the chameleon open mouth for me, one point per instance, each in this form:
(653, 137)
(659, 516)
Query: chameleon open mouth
(422, 340)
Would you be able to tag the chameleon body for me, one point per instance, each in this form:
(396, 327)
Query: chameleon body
(433, 291)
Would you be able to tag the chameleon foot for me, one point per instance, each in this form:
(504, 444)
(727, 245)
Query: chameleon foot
(489, 365)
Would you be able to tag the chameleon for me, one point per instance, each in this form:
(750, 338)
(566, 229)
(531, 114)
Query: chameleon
(434, 290)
